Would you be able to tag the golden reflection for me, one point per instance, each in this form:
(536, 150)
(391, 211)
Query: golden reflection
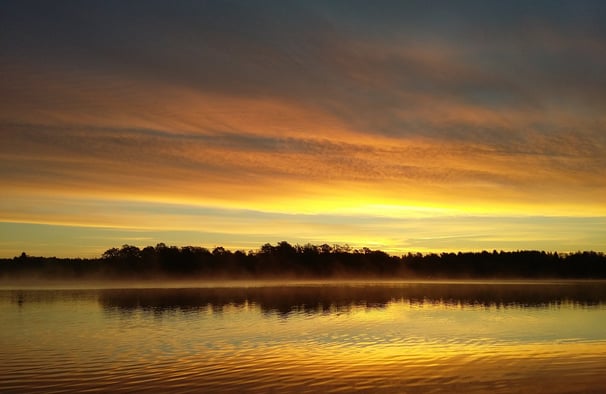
(537, 367)
(272, 338)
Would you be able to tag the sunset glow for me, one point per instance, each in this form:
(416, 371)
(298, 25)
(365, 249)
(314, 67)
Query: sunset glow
(398, 126)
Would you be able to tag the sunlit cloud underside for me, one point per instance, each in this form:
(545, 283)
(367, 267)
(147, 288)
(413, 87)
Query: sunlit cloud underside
(395, 126)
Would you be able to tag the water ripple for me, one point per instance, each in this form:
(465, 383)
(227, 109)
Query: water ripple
(78, 344)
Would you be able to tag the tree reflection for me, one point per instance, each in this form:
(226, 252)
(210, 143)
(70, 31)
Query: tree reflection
(325, 299)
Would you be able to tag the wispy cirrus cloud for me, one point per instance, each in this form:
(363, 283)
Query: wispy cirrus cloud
(486, 107)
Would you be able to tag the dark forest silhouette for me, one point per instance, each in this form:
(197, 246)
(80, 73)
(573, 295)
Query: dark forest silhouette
(284, 260)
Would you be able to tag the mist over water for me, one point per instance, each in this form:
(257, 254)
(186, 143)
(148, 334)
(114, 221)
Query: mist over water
(307, 337)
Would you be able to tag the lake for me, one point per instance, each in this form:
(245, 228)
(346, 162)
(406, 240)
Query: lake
(414, 337)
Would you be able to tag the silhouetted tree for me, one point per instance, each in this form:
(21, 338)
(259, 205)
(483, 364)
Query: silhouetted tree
(310, 261)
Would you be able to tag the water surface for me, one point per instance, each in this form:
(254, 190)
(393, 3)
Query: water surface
(374, 337)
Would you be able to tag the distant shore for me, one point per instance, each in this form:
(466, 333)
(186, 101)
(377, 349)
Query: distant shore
(303, 262)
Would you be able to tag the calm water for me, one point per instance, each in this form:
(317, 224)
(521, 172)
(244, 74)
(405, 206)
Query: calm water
(404, 337)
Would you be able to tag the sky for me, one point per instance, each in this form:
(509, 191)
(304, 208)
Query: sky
(406, 126)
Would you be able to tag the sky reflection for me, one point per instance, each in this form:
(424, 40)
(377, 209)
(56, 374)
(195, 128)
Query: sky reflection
(382, 338)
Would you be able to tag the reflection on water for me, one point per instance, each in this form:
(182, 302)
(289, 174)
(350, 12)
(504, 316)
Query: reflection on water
(327, 299)
(414, 337)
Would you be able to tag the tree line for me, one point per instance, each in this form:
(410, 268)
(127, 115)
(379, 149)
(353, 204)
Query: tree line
(306, 261)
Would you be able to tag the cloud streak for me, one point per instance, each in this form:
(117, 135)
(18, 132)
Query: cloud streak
(298, 108)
